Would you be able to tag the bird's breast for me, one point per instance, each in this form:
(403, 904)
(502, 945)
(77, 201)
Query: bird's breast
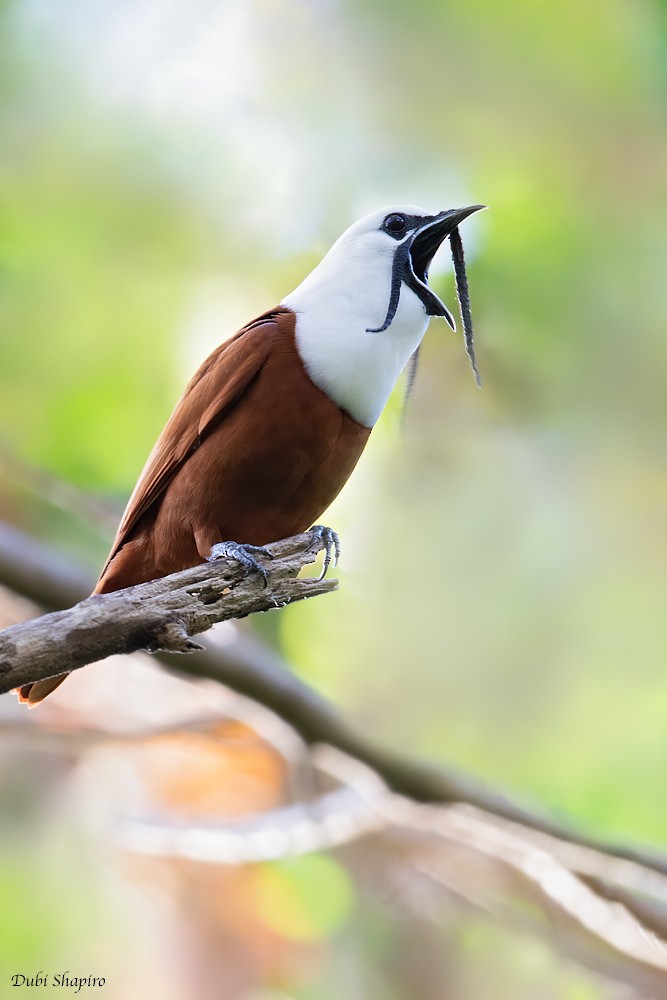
(355, 366)
(277, 459)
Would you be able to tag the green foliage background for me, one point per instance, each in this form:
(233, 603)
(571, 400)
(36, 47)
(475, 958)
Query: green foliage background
(503, 577)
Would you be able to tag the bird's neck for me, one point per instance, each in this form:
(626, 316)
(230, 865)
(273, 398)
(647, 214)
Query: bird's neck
(355, 368)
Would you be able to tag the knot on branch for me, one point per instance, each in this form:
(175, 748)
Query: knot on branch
(172, 637)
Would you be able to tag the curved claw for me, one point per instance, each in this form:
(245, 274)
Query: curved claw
(243, 554)
(330, 542)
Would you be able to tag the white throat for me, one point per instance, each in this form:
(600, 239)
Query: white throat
(346, 294)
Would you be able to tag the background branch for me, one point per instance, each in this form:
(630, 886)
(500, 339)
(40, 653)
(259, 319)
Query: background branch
(249, 667)
(596, 893)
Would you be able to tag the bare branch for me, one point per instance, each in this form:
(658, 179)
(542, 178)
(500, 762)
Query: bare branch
(604, 903)
(48, 488)
(250, 668)
(267, 680)
(39, 573)
(161, 615)
(500, 867)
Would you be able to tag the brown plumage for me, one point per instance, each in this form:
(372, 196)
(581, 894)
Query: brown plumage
(253, 452)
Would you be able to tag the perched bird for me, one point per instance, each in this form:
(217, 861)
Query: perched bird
(272, 424)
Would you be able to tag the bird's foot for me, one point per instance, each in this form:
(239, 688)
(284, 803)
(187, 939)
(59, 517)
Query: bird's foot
(244, 554)
(330, 542)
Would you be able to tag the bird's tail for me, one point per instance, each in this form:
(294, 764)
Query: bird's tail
(32, 694)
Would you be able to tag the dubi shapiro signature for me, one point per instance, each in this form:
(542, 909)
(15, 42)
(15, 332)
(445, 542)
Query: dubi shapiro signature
(60, 979)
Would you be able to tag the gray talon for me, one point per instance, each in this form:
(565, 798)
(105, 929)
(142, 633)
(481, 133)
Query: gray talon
(243, 554)
(331, 543)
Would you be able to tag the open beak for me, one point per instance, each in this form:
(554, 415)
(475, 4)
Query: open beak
(423, 247)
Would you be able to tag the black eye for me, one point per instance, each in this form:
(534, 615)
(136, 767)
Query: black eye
(396, 225)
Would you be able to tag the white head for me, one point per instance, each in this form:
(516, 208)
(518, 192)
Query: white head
(363, 311)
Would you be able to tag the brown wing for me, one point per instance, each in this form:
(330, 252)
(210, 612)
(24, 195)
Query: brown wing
(213, 390)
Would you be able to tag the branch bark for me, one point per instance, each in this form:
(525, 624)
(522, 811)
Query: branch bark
(157, 616)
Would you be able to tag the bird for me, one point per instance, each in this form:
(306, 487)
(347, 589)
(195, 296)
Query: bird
(272, 424)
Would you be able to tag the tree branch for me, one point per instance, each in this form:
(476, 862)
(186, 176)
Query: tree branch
(40, 573)
(250, 668)
(161, 615)
(604, 902)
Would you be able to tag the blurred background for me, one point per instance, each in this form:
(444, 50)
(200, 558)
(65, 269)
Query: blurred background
(170, 170)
